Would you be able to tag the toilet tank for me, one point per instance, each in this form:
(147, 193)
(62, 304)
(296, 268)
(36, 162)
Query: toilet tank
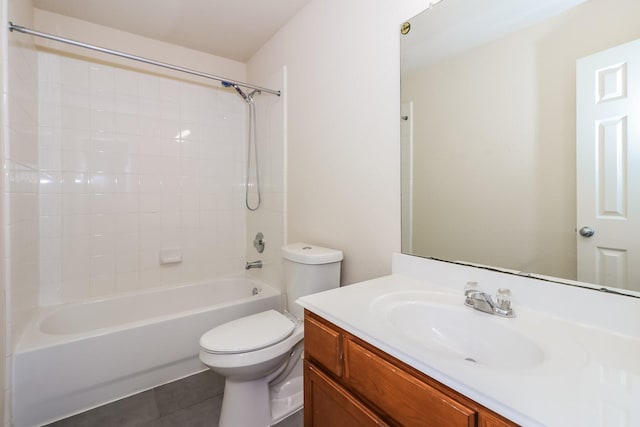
(308, 269)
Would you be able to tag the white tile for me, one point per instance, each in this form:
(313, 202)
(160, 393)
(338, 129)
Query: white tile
(50, 159)
(150, 183)
(207, 202)
(126, 104)
(126, 82)
(148, 87)
(75, 117)
(103, 183)
(171, 165)
(104, 263)
(75, 73)
(170, 147)
(170, 218)
(51, 249)
(149, 277)
(149, 257)
(75, 160)
(126, 123)
(74, 97)
(76, 139)
(103, 120)
(103, 284)
(103, 203)
(171, 184)
(51, 204)
(127, 223)
(127, 183)
(75, 182)
(50, 226)
(101, 79)
(103, 224)
(150, 145)
(128, 202)
(151, 165)
(127, 281)
(127, 255)
(190, 148)
(76, 204)
(128, 143)
(170, 274)
(76, 225)
(189, 166)
(189, 219)
(190, 202)
(150, 221)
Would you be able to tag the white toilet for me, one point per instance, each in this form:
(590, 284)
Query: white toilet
(260, 355)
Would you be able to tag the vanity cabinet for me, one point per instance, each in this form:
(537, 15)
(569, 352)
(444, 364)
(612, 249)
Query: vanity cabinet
(348, 382)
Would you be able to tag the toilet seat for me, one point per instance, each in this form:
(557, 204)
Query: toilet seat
(248, 334)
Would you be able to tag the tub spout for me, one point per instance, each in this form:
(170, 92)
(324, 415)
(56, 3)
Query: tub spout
(253, 264)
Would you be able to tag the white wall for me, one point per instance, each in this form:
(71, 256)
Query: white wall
(20, 183)
(343, 132)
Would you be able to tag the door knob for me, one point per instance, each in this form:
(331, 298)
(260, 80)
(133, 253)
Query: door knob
(587, 231)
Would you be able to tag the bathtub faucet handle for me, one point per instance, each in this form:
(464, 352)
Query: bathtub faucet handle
(253, 264)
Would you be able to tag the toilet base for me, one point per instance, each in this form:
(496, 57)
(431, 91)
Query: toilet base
(287, 397)
(244, 404)
(257, 404)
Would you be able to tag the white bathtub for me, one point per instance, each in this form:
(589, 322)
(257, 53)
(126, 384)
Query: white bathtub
(78, 356)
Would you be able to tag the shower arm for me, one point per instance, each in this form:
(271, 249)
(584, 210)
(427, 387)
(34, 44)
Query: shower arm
(21, 29)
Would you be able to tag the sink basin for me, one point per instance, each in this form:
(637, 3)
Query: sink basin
(441, 324)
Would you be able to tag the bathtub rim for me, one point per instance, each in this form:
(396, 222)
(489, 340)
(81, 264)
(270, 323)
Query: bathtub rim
(33, 338)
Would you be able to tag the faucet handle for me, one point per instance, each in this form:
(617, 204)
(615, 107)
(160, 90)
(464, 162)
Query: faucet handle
(470, 288)
(504, 298)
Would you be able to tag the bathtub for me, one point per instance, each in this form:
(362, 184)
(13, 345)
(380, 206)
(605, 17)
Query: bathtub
(78, 356)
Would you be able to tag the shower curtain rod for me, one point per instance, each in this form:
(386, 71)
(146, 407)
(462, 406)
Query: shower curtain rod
(25, 30)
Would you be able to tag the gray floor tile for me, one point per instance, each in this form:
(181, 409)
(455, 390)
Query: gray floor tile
(188, 391)
(129, 412)
(203, 414)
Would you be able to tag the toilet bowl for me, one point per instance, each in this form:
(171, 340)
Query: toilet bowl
(260, 355)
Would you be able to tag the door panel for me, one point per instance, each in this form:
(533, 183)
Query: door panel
(608, 166)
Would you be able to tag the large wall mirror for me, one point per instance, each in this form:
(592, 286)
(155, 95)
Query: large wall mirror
(521, 137)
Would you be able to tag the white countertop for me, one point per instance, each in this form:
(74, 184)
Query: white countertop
(590, 375)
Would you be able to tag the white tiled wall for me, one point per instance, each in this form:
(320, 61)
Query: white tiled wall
(131, 163)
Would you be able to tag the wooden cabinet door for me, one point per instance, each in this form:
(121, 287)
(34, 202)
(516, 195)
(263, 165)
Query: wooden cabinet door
(327, 404)
(407, 399)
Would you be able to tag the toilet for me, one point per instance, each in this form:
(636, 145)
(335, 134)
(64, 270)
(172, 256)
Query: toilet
(260, 355)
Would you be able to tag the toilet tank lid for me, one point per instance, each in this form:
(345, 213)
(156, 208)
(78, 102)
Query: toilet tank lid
(305, 253)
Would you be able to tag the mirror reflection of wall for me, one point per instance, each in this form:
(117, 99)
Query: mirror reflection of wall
(493, 136)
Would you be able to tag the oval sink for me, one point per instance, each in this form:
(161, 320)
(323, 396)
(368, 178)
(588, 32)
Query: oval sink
(454, 330)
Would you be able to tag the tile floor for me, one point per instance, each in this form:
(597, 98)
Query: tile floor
(193, 401)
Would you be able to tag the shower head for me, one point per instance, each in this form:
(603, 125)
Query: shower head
(247, 98)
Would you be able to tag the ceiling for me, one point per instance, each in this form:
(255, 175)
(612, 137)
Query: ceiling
(233, 29)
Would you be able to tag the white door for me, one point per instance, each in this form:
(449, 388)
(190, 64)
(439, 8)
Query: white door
(608, 167)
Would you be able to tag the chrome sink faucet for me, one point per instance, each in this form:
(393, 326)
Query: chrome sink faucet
(484, 302)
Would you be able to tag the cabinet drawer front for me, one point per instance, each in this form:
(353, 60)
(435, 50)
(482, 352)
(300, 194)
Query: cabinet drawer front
(326, 404)
(394, 391)
(490, 420)
(323, 344)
